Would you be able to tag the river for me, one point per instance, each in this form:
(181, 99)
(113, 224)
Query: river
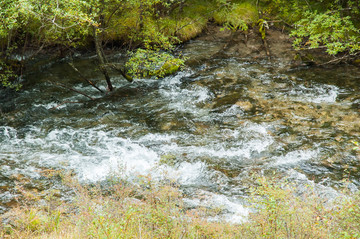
(209, 127)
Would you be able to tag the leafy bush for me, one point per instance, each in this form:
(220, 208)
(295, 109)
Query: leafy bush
(330, 30)
(146, 63)
(8, 77)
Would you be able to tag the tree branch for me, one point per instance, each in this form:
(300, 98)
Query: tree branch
(122, 72)
(83, 77)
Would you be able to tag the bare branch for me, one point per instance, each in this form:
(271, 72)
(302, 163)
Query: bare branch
(122, 72)
(83, 77)
(336, 60)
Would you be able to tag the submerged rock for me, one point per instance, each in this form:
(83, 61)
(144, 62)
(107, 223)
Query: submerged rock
(7, 103)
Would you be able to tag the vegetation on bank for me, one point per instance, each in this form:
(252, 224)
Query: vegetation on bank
(28, 27)
(145, 209)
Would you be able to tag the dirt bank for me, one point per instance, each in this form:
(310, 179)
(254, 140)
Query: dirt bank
(276, 46)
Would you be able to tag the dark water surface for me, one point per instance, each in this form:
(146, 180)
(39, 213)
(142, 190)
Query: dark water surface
(208, 127)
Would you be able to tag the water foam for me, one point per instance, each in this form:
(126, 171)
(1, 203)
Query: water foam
(229, 209)
(295, 157)
(317, 93)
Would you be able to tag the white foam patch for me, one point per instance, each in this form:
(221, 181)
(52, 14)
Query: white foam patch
(295, 157)
(158, 138)
(188, 173)
(257, 128)
(234, 110)
(184, 99)
(7, 133)
(136, 160)
(230, 209)
(51, 105)
(304, 186)
(240, 152)
(92, 153)
(315, 93)
(243, 143)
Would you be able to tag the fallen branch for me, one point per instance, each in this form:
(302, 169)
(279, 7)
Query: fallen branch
(337, 60)
(83, 77)
(122, 72)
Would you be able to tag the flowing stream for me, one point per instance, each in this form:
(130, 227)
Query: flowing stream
(209, 127)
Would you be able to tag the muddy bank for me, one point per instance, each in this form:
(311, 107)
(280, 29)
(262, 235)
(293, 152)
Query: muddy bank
(276, 46)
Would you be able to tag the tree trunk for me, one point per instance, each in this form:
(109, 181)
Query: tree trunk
(99, 49)
(101, 58)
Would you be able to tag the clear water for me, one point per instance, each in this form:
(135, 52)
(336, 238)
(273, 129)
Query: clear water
(208, 127)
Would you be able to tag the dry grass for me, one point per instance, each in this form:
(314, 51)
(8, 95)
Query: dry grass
(148, 210)
(121, 210)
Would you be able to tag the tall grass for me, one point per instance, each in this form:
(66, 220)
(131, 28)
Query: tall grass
(151, 210)
(281, 212)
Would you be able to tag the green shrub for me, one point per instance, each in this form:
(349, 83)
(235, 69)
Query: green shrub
(8, 76)
(330, 30)
(152, 63)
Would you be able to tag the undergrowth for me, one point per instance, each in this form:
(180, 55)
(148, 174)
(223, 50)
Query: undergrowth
(146, 209)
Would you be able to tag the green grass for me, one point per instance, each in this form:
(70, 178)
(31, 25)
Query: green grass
(151, 210)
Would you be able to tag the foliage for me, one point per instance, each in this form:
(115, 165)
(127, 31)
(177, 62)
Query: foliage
(8, 17)
(147, 63)
(356, 145)
(331, 25)
(337, 34)
(263, 25)
(63, 22)
(157, 25)
(236, 16)
(287, 10)
(8, 77)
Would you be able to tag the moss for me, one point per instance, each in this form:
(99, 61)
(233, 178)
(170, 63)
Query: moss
(192, 18)
(169, 67)
(245, 12)
(168, 159)
(190, 31)
(123, 26)
(356, 62)
(146, 63)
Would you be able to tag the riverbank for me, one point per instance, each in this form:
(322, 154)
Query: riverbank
(145, 209)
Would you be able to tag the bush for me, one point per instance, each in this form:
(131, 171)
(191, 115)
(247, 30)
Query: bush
(146, 63)
(330, 30)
